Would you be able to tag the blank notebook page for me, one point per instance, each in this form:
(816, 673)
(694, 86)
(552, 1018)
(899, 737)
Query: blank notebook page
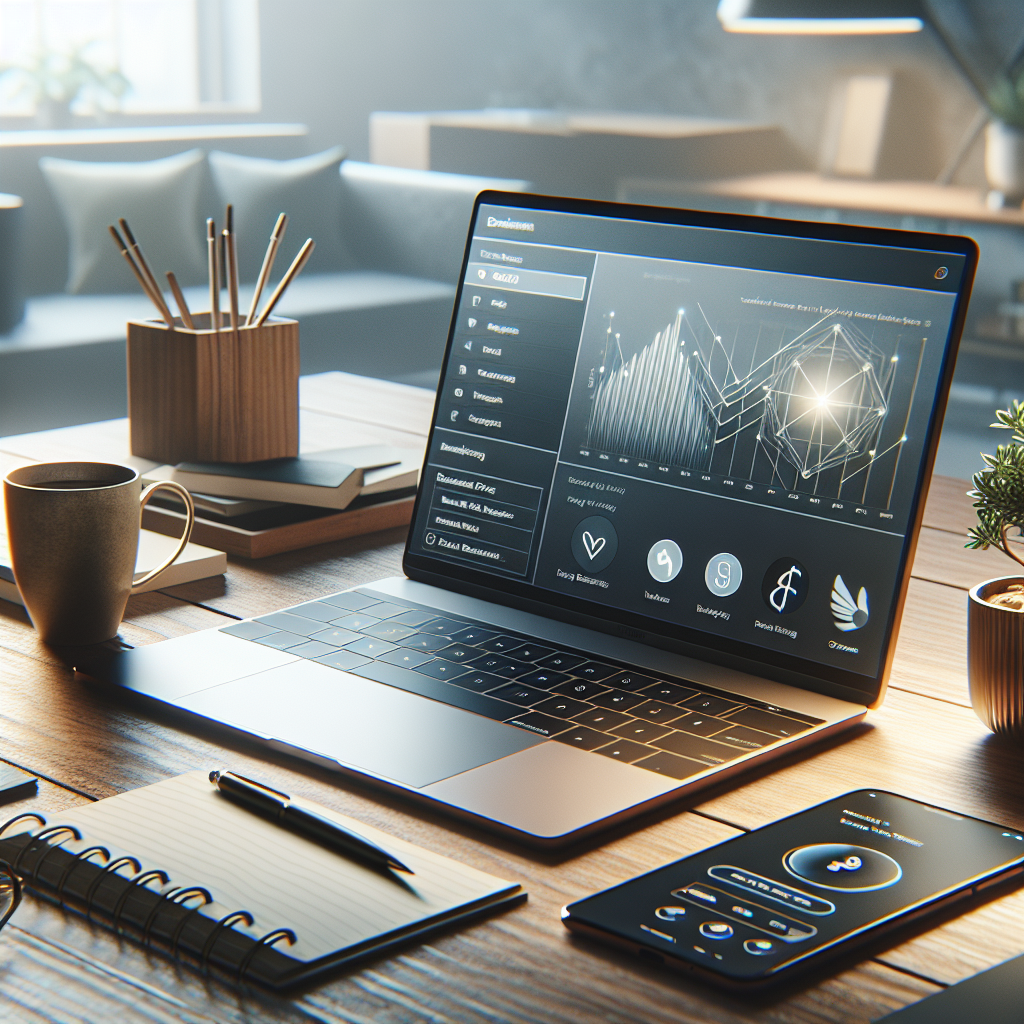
(186, 827)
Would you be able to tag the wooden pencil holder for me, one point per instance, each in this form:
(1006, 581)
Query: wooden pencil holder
(198, 395)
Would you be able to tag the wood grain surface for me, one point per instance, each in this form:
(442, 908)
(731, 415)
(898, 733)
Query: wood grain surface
(86, 742)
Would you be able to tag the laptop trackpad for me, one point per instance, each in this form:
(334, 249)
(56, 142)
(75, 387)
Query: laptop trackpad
(366, 725)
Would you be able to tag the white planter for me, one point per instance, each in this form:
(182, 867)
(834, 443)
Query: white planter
(1004, 160)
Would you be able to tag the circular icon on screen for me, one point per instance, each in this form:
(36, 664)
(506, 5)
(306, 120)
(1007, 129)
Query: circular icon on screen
(664, 561)
(843, 867)
(594, 543)
(723, 574)
(941, 273)
(785, 584)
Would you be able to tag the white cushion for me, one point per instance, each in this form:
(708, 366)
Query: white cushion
(307, 189)
(158, 198)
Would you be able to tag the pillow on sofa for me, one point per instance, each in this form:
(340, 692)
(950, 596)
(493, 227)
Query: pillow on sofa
(158, 198)
(307, 189)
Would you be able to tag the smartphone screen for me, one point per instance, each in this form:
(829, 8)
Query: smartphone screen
(776, 898)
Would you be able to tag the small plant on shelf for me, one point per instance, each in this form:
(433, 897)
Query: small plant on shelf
(999, 498)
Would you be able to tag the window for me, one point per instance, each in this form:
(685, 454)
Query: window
(175, 56)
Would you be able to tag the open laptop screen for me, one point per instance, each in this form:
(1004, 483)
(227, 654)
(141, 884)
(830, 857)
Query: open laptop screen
(711, 429)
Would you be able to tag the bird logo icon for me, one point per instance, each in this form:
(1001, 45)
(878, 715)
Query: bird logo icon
(847, 614)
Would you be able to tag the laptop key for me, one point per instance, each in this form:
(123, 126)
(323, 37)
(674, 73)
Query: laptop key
(319, 610)
(697, 748)
(737, 735)
(369, 647)
(248, 630)
(580, 689)
(442, 626)
(533, 652)
(442, 669)
(710, 705)
(337, 637)
(595, 671)
(406, 658)
(641, 732)
(545, 725)
(657, 711)
(413, 617)
(502, 666)
(700, 725)
(624, 750)
(544, 678)
(425, 642)
(386, 610)
(525, 695)
(631, 681)
(350, 600)
(473, 635)
(602, 718)
(313, 649)
(292, 623)
(562, 707)
(582, 737)
(671, 693)
(561, 662)
(437, 689)
(617, 700)
(459, 652)
(481, 682)
(357, 621)
(672, 765)
(282, 640)
(500, 644)
(755, 718)
(345, 661)
(388, 630)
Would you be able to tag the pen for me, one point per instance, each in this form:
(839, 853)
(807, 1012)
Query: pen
(211, 256)
(179, 298)
(263, 800)
(297, 264)
(156, 295)
(144, 284)
(268, 262)
(231, 264)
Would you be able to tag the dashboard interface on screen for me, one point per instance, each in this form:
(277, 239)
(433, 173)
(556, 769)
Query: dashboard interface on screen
(716, 429)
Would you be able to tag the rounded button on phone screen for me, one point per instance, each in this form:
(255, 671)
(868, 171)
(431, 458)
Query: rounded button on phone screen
(670, 913)
(759, 947)
(715, 930)
(844, 867)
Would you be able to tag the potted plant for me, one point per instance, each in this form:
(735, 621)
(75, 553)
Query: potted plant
(1004, 139)
(995, 615)
(54, 81)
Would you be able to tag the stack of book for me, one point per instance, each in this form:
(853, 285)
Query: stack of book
(263, 508)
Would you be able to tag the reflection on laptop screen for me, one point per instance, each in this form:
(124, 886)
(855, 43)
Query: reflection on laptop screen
(718, 430)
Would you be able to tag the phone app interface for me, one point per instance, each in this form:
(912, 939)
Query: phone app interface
(719, 430)
(751, 905)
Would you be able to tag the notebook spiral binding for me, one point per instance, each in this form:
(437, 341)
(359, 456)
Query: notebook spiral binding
(169, 895)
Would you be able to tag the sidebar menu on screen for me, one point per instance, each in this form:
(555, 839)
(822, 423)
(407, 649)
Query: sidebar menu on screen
(502, 405)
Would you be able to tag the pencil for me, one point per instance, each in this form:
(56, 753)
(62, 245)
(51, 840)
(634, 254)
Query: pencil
(211, 256)
(120, 243)
(157, 295)
(268, 262)
(292, 272)
(179, 298)
(228, 241)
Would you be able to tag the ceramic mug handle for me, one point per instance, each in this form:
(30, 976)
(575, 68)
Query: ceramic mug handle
(190, 512)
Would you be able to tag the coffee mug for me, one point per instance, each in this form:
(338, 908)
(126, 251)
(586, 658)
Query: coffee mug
(73, 534)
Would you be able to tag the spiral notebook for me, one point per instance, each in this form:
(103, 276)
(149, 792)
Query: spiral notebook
(181, 869)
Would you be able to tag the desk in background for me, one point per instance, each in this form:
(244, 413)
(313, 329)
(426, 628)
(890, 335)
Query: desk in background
(521, 966)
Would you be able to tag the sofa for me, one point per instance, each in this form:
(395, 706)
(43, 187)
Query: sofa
(386, 315)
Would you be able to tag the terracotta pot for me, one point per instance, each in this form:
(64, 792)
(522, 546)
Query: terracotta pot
(995, 659)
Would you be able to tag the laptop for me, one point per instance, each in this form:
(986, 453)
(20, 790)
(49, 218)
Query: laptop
(670, 497)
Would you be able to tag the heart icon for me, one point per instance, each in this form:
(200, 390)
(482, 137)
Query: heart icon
(593, 546)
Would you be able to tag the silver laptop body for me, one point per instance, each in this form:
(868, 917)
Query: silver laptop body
(663, 532)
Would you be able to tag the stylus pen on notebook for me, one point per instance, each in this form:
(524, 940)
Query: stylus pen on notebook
(272, 803)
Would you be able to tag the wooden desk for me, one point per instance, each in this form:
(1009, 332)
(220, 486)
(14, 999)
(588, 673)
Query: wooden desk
(521, 966)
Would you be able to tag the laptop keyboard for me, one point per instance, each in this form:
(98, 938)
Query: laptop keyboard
(671, 726)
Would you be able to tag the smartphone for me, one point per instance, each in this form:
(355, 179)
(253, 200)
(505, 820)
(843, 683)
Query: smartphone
(758, 908)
